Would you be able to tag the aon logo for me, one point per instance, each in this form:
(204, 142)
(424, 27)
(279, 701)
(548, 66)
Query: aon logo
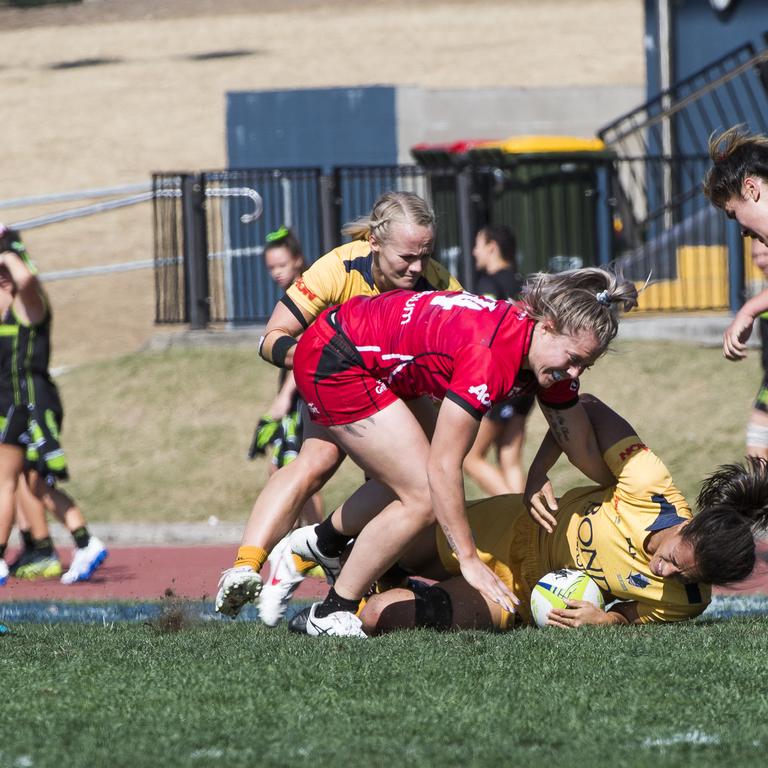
(481, 393)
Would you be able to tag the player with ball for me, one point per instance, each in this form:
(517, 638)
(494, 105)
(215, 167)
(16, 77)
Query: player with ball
(637, 540)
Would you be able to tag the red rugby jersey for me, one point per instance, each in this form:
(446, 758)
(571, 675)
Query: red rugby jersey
(451, 344)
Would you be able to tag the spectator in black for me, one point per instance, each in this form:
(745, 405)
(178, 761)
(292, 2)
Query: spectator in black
(495, 254)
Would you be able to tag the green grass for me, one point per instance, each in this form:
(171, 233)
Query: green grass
(239, 694)
(163, 436)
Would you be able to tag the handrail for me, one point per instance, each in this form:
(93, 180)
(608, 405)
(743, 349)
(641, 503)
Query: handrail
(80, 194)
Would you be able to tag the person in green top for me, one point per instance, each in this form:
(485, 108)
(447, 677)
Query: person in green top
(31, 457)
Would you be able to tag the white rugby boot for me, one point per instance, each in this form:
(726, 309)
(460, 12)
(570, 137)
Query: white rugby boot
(284, 579)
(336, 624)
(86, 561)
(303, 542)
(237, 586)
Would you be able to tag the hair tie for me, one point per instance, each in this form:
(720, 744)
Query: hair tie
(278, 234)
(603, 298)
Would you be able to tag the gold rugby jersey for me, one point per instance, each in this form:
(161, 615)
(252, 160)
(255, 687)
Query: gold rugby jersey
(599, 531)
(347, 271)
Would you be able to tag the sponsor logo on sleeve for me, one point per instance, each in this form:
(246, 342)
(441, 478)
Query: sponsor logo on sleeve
(480, 391)
(634, 448)
(302, 287)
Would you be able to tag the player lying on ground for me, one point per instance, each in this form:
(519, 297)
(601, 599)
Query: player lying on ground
(359, 365)
(637, 539)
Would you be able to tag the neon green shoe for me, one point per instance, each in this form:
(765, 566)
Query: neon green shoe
(40, 567)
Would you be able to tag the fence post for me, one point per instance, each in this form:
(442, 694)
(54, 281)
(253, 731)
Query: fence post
(603, 215)
(735, 243)
(464, 189)
(330, 224)
(198, 309)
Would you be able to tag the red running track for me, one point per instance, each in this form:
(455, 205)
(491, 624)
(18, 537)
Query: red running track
(147, 573)
(144, 573)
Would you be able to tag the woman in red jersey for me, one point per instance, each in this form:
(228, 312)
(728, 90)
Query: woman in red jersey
(391, 248)
(360, 363)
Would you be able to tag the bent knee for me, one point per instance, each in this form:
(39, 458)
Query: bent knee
(318, 460)
(419, 504)
(394, 609)
(371, 614)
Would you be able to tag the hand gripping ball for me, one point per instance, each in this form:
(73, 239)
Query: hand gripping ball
(555, 588)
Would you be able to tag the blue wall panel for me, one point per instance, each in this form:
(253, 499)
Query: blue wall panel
(315, 127)
(700, 35)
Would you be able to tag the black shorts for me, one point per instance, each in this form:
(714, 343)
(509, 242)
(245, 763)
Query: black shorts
(36, 429)
(14, 420)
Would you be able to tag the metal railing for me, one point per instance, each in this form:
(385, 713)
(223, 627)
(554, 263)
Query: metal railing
(566, 212)
(662, 147)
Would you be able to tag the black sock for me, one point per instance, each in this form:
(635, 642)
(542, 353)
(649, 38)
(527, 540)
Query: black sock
(26, 539)
(333, 603)
(44, 547)
(2, 550)
(396, 576)
(330, 542)
(81, 537)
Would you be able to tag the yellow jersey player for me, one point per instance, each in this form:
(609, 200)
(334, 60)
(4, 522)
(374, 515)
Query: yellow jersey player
(391, 248)
(637, 539)
(350, 270)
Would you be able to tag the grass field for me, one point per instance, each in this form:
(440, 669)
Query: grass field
(163, 436)
(237, 694)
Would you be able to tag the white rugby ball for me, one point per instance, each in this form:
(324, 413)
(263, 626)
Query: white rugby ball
(555, 588)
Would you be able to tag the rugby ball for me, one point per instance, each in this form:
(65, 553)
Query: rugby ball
(555, 588)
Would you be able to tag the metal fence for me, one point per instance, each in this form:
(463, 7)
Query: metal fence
(567, 211)
(698, 261)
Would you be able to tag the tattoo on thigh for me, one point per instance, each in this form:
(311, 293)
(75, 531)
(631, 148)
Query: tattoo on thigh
(357, 429)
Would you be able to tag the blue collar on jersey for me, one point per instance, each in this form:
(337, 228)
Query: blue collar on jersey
(363, 265)
(667, 517)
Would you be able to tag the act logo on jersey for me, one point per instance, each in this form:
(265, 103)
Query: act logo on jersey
(313, 408)
(480, 391)
(302, 286)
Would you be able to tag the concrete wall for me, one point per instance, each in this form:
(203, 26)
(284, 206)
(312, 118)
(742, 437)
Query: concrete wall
(447, 115)
(379, 124)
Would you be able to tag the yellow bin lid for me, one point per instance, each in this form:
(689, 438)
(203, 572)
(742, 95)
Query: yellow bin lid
(517, 145)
